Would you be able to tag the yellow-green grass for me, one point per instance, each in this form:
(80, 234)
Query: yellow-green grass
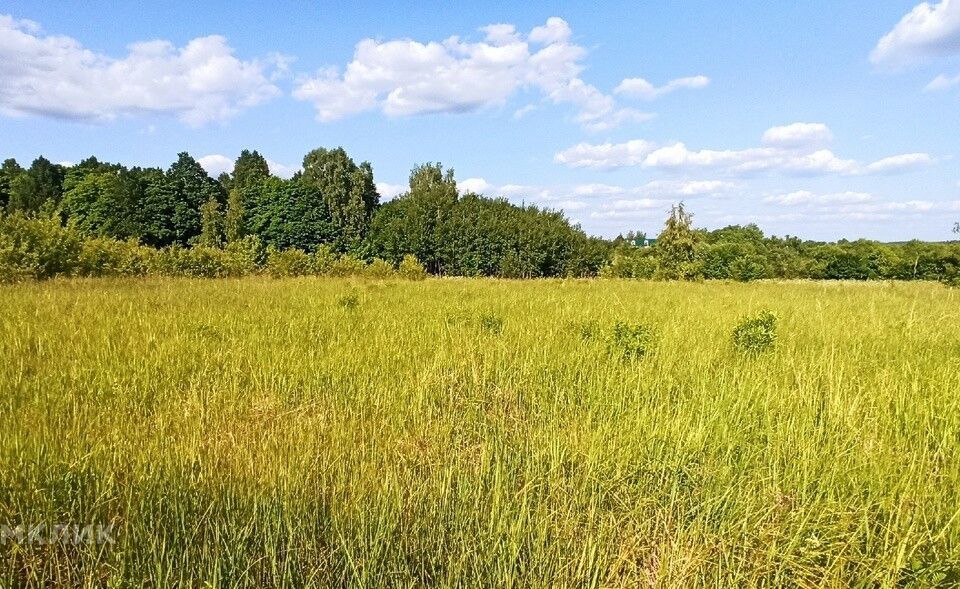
(327, 432)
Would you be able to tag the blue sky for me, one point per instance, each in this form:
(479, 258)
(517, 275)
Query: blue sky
(822, 120)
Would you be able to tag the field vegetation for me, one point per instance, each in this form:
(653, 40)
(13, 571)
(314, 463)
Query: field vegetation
(359, 431)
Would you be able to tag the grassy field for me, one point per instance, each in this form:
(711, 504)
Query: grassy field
(325, 432)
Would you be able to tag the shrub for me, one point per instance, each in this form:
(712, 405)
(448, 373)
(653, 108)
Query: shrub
(379, 269)
(323, 260)
(630, 340)
(491, 323)
(756, 334)
(346, 265)
(587, 330)
(289, 262)
(411, 268)
(349, 301)
(39, 247)
(245, 256)
(109, 257)
(630, 264)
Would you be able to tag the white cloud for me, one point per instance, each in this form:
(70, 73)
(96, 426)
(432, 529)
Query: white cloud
(555, 31)
(805, 197)
(897, 163)
(56, 76)
(640, 88)
(390, 191)
(216, 164)
(929, 30)
(475, 185)
(769, 159)
(797, 135)
(942, 82)
(404, 77)
(524, 111)
(606, 155)
(282, 170)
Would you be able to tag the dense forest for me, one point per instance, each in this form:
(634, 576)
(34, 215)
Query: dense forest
(100, 219)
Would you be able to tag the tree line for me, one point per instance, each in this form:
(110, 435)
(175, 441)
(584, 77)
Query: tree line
(99, 218)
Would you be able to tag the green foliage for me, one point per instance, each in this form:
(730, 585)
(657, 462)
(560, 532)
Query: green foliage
(249, 169)
(630, 341)
(346, 265)
(289, 262)
(631, 262)
(288, 214)
(39, 185)
(491, 323)
(756, 334)
(234, 224)
(378, 268)
(410, 268)
(211, 225)
(39, 247)
(9, 170)
(347, 190)
(676, 247)
(103, 256)
(470, 235)
(349, 301)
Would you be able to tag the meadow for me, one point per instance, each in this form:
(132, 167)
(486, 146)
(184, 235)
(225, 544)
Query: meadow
(476, 432)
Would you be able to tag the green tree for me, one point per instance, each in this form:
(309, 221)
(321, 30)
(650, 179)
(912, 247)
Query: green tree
(189, 187)
(234, 221)
(287, 214)
(99, 203)
(249, 169)
(156, 207)
(347, 189)
(9, 170)
(41, 184)
(211, 224)
(677, 245)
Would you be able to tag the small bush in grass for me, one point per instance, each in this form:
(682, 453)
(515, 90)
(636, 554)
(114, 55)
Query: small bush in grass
(289, 262)
(379, 269)
(349, 301)
(411, 268)
(630, 340)
(587, 330)
(757, 333)
(491, 323)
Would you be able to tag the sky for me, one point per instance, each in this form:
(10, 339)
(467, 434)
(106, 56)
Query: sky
(824, 120)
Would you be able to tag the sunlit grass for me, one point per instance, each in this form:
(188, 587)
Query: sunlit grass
(324, 432)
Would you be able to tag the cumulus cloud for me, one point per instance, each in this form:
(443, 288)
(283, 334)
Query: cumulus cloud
(789, 149)
(475, 185)
(216, 164)
(797, 135)
(390, 191)
(403, 77)
(927, 31)
(641, 88)
(56, 76)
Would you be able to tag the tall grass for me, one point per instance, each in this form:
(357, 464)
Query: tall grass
(257, 432)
